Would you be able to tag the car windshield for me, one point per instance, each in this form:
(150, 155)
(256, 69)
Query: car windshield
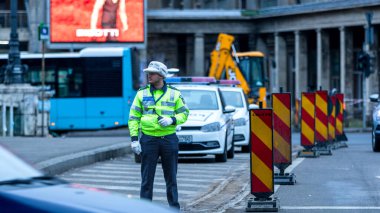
(233, 98)
(200, 99)
(13, 168)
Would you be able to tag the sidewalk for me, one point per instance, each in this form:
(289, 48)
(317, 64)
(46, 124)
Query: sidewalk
(57, 155)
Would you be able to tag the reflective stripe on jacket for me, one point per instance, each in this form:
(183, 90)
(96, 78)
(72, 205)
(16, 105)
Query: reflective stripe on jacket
(144, 111)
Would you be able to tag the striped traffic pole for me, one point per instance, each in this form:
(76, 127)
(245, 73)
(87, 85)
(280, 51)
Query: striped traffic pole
(308, 125)
(321, 122)
(261, 143)
(340, 135)
(282, 137)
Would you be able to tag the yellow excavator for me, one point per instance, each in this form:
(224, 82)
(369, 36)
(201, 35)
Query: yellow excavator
(246, 67)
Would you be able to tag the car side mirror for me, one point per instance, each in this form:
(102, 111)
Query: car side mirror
(253, 106)
(229, 109)
(374, 98)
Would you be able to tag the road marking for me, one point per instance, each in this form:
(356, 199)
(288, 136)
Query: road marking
(94, 171)
(216, 190)
(158, 178)
(137, 188)
(290, 168)
(181, 169)
(330, 207)
(378, 177)
(126, 182)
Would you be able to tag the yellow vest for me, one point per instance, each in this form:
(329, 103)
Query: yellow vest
(149, 104)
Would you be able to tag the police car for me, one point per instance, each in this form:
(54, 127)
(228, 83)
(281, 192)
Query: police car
(209, 129)
(235, 97)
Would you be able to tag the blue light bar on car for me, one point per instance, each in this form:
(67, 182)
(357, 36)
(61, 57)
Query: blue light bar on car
(190, 80)
(228, 82)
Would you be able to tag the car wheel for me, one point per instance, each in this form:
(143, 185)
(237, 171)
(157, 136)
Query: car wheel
(245, 148)
(137, 158)
(375, 143)
(231, 152)
(222, 157)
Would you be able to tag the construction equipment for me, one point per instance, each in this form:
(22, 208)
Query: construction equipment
(247, 67)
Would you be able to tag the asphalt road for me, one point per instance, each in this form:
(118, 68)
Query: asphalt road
(346, 181)
(198, 179)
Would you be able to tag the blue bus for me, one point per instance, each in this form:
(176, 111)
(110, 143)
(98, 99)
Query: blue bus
(94, 88)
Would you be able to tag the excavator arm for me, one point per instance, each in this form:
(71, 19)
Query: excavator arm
(222, 60)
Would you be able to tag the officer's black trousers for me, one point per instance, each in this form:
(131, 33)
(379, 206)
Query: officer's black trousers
(167, 148)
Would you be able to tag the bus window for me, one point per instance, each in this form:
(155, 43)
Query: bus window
(34, 76)
(69, 83)
(103, 77)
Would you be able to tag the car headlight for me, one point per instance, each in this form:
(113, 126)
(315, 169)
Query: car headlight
(212, 127)
(240, 122)
(377, 115)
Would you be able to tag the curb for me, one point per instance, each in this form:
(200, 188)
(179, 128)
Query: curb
(62, 164)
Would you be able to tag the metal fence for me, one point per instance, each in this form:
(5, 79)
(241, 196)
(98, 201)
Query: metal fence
(5, 19)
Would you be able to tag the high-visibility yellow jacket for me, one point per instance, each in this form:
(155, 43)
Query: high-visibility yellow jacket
(149, 104)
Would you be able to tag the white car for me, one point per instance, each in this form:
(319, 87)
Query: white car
(209, 129)
(235, 96)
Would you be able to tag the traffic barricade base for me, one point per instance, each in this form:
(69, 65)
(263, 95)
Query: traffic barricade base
(324, 149)
(334, 145)
(308, 154)
(342, 137)
(342, 144)
(284, 179)
(270, 204)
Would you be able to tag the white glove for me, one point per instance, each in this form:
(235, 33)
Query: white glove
(165, 121)
(136, 147)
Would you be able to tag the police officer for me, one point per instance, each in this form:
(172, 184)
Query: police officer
(156, 110)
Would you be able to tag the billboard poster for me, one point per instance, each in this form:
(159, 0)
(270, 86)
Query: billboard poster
(97, 21)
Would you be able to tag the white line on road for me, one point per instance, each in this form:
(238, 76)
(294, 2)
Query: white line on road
(290, 168)
(330, 207)
(128, 182)
(245, 193)
(158, 178)
(94, 171)
(127, 188)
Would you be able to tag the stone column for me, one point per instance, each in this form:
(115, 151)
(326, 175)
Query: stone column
(319, 59)
(279, 74)
(189, 56)
(303, 63)
(35, 17)
(325, 83)
(349, 72)
(199, 59)
(373, 86)
(342, 60)
(297, 64)
(283, 68)
(261, 46)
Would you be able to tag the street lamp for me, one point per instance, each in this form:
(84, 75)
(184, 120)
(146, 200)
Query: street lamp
(13, 72)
